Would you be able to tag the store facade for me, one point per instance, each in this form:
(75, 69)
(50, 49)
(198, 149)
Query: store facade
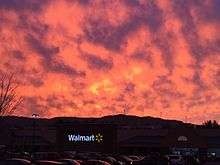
(87, 137)
(184, 141)
(110, 138)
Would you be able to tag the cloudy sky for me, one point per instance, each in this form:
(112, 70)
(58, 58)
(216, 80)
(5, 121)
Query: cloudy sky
(156, 58)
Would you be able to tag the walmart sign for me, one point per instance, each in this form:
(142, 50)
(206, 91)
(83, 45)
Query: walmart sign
(85, 138)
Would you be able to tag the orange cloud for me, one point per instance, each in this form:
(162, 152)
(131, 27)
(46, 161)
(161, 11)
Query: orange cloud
(148, 58)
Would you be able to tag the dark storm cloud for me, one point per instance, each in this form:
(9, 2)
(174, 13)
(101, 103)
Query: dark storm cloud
(149, 99)
(132, 3)
(30, 77)
(17, 54)
(182, 10)
(162, 82)
(143, 56)
(189, 29)
(130, 87)
(102, 32)
(14, 66)
(164, 42)
(211, 12)
(153, 17)
(81, 2)
(139, 55)
(214, 11)
(54, 102)
(198, 81)
(60, 67)
(199, 99)
(95, 62)
(35, 26)
(166, 88)
(46, 52)
(34, 105)
(36, 82)
(59, 102)
(20, 5)
(148, 14)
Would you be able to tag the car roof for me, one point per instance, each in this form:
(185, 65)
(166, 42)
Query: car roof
(49, 161)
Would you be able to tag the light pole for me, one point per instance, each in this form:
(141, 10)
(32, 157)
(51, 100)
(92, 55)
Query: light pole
(34, 116)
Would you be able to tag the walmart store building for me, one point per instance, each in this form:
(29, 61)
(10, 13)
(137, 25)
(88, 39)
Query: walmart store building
(110, 138)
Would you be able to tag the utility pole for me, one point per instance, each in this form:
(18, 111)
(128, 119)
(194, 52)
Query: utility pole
(126, 108)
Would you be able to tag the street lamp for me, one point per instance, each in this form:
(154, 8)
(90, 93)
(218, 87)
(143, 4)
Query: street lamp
(35, 116)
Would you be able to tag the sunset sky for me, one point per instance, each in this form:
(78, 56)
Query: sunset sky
(157, 58)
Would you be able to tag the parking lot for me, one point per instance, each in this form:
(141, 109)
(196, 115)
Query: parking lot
(95, 158)
(213, 163)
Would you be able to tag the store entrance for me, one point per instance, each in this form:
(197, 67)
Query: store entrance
(185, 151)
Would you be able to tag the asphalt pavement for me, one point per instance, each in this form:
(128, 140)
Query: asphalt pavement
(212, 163)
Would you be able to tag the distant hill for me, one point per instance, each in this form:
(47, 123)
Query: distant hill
(120, 120)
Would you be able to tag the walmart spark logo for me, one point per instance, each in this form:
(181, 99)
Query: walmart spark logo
(99, 138)
(85, 138)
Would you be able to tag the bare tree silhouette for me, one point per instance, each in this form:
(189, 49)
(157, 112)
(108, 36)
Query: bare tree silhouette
(210, 124)
(9, 100)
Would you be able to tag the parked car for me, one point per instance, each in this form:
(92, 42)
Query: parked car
(176, 159)
(47, 162)
(45, 156)
(136, 158)
(69, 161)
(95, 162)
(15, 161)
(192, 160)
(111, 160)
(147, 161)
(68, 154)
(125, 159)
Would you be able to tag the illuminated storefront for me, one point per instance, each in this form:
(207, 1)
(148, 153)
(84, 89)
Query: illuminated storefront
(109, 138)
(87, 137)
(185, 141)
